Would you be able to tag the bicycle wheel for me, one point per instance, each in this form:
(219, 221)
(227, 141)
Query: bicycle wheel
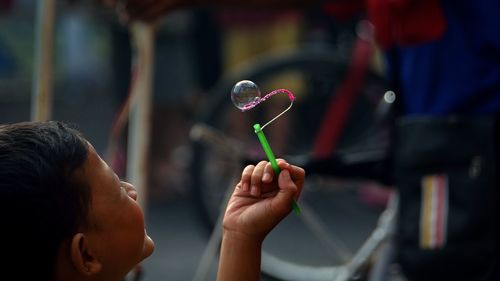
(224, 141)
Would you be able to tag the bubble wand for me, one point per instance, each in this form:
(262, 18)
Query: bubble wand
(245, 96)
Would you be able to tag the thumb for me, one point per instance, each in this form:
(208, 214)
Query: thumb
(287, 191)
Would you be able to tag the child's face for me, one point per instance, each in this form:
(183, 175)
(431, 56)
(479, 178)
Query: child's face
(116, 229)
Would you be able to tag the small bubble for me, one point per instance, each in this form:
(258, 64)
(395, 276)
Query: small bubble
(245, 94)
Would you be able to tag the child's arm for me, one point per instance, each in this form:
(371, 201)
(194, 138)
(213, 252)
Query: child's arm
(259, 202)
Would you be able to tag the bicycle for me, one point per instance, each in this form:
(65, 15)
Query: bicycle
(222, 145)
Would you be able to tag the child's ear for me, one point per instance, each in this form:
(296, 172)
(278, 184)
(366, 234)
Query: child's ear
(82, 256)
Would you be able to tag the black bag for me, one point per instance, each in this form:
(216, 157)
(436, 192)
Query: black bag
(446, 172)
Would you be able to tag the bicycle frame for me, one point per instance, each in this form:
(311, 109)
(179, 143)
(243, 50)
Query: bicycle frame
(342, 101)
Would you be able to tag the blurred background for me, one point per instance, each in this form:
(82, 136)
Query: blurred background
(92, 74)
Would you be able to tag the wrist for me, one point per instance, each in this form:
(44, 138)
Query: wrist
(240, 257)
(238, 237)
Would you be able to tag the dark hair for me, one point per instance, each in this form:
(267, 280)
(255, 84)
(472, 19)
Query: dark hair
(41, 203)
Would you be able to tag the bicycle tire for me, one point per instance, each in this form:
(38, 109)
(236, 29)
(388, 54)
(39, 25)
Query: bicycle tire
(324, 73)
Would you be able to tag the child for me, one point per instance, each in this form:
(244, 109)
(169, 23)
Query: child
(67, 216)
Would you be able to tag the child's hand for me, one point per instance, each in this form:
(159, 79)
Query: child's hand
(261, 199)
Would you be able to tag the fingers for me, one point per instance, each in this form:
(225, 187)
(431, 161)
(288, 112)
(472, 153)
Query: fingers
(257, 179)
(246, 176)
(253, 177)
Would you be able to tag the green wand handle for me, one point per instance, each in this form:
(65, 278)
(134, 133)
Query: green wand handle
(272, 159)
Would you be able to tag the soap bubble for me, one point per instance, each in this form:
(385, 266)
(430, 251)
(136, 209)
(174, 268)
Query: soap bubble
(245, 94)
